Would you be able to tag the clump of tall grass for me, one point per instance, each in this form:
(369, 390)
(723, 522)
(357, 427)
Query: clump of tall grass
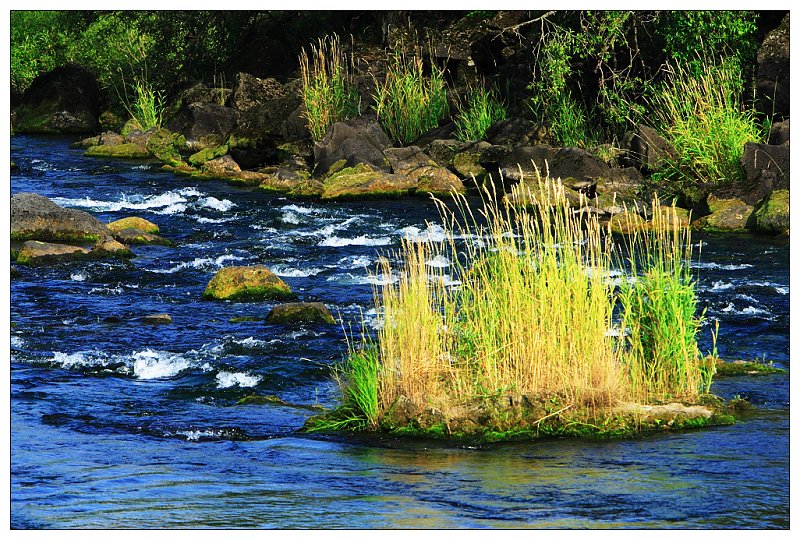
(703, 116)
(532, 312)
(408, 102)
(329, 93)
(659, 312)
(479, 110)
(146, 108)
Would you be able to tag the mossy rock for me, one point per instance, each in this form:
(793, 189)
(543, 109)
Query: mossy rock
(109, 247)
(245, 318)
(35, 253)
(300, 312)
(139, 237)
(467, 164)
(246, 283)
(735, 368)
(726, 215)
(772, 217)
(133, 222)
(166, 146)
(627, 222)
(207, 154)
(122, 151)
(362, 181)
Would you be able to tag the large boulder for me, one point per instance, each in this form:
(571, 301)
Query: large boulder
(204, 124)
(428, 175)
(267, 113)
(766, 167)
(347, 144)
(772, 215)
(300, 312)
(362, 181)
(772, 80)
(726, 215)
(64, 100)
(526, 162)
(646, 149)
(246, 283)
(34, 217)
(779, 132)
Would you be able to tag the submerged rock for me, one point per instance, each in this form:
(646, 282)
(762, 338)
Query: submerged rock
(300, 312)
(158, 318)
(246, 283)
(34, 253)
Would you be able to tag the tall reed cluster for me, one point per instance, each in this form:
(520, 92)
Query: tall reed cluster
(409, 102)
(703, 116)
(329, 94)
(477, 112)
(533, 313)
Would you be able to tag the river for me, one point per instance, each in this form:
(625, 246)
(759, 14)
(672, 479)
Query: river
(125, 425)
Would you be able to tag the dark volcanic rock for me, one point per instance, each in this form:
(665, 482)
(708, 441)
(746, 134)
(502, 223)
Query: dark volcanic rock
(347, 144)
(646, 149)
(766, 167)
(772, 80)
(64, 100)
(204, 124)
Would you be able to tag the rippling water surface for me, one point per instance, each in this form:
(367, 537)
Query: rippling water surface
(132, 426)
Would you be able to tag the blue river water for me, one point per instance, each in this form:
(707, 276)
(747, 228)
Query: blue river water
(125, 425)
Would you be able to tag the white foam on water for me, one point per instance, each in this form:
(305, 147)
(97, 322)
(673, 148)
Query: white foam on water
(150, 364)
(721, 286)
(291, 218)
(286, 271)
(226, 379)
(749, 310)
(79, 359)
(299, 209)
(777, 287)
(439, 261)
(212, 221)
(717, 266)
(363, 240)
(17, 342)
(215, 204)
(199, 262)
(354, 261)
(78, 276)
(196, 434)
(432, 233)
(108, 291)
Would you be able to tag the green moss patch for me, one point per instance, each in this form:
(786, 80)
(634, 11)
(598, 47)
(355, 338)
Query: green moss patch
(122, 151)
(736, 368)
(246, 283)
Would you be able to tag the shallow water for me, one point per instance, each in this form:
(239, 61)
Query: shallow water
(132, 426)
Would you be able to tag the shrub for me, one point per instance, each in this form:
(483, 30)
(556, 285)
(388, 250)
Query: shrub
(329, 95)
(477, 112)
(703, 117)
(147, 108)
(408, 103)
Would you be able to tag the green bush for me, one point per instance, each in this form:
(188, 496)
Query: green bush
(329, 95)
(481, 109)
(408, 103)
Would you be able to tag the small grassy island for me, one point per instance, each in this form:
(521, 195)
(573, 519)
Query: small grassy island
(542, 335)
